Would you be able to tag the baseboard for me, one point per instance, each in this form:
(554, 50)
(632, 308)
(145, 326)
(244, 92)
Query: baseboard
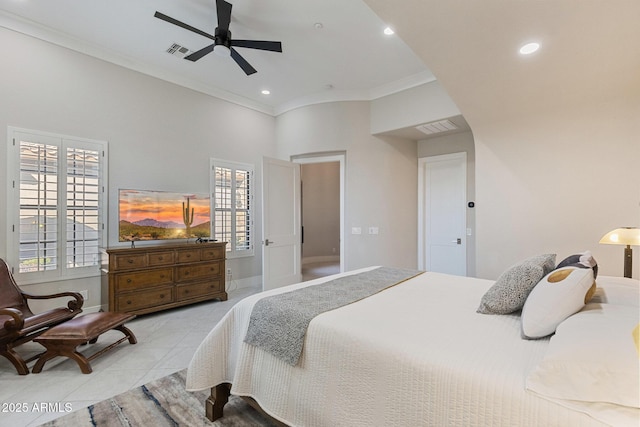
(94, 309)
(323, 258)
(247, 282)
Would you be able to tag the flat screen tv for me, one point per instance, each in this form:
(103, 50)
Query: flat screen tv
(162, 215)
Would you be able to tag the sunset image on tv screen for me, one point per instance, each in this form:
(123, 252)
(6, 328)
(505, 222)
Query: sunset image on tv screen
(161, 215)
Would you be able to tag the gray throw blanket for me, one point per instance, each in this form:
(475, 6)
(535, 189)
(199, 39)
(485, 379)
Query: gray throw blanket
(279, 323)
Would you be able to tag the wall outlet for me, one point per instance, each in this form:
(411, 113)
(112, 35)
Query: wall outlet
(229, 274)
(85, 294)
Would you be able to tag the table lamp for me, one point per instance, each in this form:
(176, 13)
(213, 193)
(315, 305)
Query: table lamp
(629, 236)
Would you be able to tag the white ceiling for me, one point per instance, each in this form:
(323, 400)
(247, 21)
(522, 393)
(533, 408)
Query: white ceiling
(349, 58)
(589, 54)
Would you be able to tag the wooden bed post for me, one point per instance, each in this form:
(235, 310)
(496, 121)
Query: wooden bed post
(217, 399)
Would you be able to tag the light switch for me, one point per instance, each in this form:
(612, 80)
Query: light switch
(356, 230)
(373, 230)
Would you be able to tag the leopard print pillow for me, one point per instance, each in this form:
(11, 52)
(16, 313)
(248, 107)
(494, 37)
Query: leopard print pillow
(512, 288)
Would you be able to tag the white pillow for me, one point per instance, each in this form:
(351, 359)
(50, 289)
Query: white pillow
(557, 296)
(593, 357)
(617, 290)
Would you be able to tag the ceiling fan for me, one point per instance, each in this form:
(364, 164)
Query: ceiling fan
(223, 44)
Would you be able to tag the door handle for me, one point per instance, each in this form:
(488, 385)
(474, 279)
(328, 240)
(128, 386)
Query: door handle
(458, 241)
(267, 242)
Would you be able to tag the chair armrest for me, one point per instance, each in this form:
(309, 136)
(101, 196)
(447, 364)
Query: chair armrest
(17, 319)
(73, 305)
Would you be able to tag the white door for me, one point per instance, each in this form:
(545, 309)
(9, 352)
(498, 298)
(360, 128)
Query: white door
(280, 223)
(442, 197)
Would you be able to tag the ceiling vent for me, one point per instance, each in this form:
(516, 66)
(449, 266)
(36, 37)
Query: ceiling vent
(178, 50)
(437, 127)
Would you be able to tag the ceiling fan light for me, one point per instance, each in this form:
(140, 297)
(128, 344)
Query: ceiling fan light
(221, 50)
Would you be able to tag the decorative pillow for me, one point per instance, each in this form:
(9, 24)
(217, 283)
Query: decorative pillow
(581, 260)
(511, 289)
(557, 296)
(593, 357)
(617, 290)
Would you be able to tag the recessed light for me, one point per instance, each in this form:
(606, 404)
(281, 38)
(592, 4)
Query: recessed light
(529, 48)
(388, 31)
(266, 92)
(318, 26)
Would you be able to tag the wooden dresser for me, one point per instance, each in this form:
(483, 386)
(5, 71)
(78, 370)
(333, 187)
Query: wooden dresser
(152, 278)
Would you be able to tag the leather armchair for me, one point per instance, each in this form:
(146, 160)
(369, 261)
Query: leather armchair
(18, 324)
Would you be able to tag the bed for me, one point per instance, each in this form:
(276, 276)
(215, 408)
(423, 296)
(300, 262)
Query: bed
(415, 354)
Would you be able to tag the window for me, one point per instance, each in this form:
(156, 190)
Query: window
(56, 205)
(232, 206)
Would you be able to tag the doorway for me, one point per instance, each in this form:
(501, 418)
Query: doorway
(442, 193)
(322, 215)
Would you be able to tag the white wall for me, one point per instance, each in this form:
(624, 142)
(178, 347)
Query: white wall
(557, 183)
(381, 178)
(421, 104)
(160, 135)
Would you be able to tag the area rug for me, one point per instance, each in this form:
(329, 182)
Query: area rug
(163, 402)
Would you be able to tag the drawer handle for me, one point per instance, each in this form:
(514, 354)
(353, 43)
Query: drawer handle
(130, 261)
(186, 291)
(161, 295)
(160, 258)
(162, 276)
(128, 280)
(186, 273)
(129, 302)
(188, 255)
(212, 269)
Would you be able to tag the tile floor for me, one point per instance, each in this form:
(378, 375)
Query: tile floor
(166, 343)
(319, 269)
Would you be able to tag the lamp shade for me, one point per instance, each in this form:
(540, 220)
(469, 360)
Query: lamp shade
(622, 236)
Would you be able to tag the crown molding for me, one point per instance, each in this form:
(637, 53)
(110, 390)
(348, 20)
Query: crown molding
(20, 25)
(41, 32)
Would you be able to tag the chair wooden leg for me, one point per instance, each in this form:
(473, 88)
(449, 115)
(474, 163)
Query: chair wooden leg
(127, 333)
(64, 349)
(16, 360)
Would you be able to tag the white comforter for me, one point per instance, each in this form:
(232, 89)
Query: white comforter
(416, 354)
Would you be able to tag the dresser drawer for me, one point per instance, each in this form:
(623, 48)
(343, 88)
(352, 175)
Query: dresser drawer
(160, 258)
(143, 279)
(153, 278)
(192, 255)
(213, 253)
(196, 290)
(143, 299)
(198, 271)
(127, 262)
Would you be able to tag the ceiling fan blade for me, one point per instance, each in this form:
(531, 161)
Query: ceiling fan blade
(246, 67)
(200, 53)
(182, 24)
(258, 44)
(223, 10)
